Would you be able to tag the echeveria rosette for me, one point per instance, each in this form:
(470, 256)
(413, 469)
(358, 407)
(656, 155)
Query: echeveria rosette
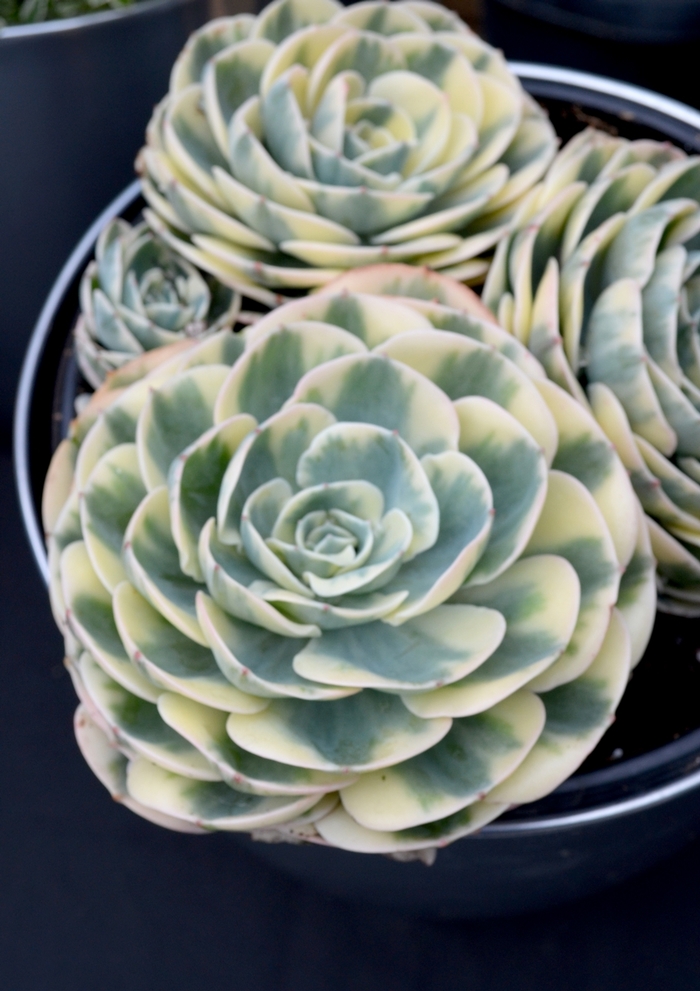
(357, 585)
(601, 279)
(137, 295)
(315, 138)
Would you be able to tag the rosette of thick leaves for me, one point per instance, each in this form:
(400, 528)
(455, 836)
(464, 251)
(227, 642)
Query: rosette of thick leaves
(357, 584)
(138, 295)
(601, 280)
(316, 138)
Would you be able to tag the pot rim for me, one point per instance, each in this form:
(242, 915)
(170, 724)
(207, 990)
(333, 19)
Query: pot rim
(64, 25)
(572, 79)
(76, 262)
(628, 92)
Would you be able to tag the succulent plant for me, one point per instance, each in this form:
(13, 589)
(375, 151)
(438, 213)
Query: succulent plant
(601, 279)
(315, 138)
(357, 583)
(138, 295)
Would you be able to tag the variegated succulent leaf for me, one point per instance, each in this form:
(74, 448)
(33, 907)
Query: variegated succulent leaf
(315, 138)
(137, 295)
(599, 278)
(324, 591)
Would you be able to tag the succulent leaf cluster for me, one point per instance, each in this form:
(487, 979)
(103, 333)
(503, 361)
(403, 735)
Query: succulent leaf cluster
(138, 294)
(315, 138)
(601, 279)
(364, 578)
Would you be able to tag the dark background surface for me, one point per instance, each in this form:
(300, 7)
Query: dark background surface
(91, 897)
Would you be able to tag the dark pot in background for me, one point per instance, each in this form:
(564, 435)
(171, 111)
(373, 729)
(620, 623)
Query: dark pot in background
(653, 43)
(602, 825)
(75, 98)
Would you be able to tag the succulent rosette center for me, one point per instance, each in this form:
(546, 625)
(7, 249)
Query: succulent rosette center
(347, 584)
(138, 295)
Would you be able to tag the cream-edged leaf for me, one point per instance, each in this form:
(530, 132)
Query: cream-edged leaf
(516, 471)
(194, 482)
(138, 723)
(108, 501)
(152, 565)
(371, 389)
(539, 598)
(256, 660)
(89, 611)
(427, 652)
(171, 660)
(363, 732)
(267, 374)
(175, 416)
(341, 830)
(477, 753)
(205, 729)
(211, 805)
(572, 526)
(577, 716)
(109, 765)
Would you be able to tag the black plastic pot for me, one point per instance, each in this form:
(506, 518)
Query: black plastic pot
(601, 825)
(75, 98)
(652, 43)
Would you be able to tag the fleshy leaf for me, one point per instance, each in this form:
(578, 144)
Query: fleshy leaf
(212, 805)
(341, 830)
(140, 726)
(272, 451)
(152, 565)
(170, 659)
(347, 451)
(572, 526)
(466, 514)
(110, 766)
(516, 471)
(372, 389)
(194, 483)
(427, 652)
(585, 452)
(233, 582)
(89, 612)
(266, 376)
(616, 357)
(255, 660)
(477, 753)
(577, 716)
(175, 416)
(461, 367)
(364, 732)
(112, 494)
(205, 728)
(538, 597)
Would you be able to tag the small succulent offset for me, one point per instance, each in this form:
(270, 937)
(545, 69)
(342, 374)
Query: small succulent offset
(137, 295)
(315, 138)
(601, 279)
(364, 582)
